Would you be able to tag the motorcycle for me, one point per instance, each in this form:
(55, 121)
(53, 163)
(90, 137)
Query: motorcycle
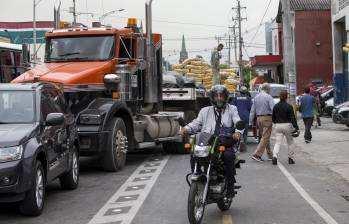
(207, 182)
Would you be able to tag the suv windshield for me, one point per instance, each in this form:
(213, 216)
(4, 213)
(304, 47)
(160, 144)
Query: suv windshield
(16, 107)
(85, 48)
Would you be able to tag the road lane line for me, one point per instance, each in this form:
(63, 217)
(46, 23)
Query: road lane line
(123, 206)
(227, 219)
(324, 215)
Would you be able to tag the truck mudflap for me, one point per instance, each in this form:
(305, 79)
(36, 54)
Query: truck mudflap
(92, 142)
(92, 124)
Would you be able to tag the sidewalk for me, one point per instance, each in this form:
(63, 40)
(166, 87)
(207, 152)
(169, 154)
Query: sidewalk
(329, 147)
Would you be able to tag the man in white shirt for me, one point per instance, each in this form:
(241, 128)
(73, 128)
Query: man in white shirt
(215, 119)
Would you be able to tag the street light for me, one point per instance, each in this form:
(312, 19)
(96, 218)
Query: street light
(109, 13)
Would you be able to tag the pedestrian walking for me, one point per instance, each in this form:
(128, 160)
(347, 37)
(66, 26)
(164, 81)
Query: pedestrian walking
(215, 57)
(243, 102)
(285, 125)
(306, 105)
(262, 108)
(317, 105)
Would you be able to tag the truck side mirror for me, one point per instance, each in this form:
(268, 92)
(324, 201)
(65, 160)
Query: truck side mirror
(55, 119)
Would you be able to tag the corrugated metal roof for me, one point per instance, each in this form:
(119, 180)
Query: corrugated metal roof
(310, 4)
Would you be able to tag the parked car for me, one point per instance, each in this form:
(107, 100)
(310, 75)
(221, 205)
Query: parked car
(37, 144)
(328, 107)
(275, 90)
(340, 114)
(327, 102)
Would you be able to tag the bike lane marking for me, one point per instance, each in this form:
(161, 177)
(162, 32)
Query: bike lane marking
(123, 206)
(228, 219)
(324, 215)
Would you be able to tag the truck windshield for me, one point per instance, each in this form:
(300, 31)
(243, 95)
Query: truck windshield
(87, 48)
(16, 107)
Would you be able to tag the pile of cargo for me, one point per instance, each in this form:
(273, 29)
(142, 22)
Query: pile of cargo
(201, 71)
(229, 78)
(198, 69)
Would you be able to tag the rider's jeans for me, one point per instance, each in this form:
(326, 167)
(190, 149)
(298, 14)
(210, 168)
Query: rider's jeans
(281, 130)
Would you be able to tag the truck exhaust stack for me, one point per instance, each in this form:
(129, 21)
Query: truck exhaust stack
(151, 81)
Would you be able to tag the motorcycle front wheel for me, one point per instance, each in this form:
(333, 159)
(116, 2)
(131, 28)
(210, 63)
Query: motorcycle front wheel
(196, 206)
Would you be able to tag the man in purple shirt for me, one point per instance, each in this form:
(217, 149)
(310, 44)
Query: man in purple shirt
(262, 107)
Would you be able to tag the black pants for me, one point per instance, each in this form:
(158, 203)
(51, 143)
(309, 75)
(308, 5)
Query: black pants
(229, 166)
(308, 122)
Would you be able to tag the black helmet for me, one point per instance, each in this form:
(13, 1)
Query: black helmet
(219, 90)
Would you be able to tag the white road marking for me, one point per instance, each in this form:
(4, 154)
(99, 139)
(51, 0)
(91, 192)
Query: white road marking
(123, 212)
(324, 215)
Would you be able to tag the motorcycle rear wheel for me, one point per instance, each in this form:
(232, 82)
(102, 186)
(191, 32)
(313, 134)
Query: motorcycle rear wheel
(196, 207)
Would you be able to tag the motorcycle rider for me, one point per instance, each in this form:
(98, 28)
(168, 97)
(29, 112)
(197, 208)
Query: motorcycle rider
(219, 119)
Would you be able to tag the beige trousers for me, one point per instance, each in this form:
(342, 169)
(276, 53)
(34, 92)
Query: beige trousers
(281, 130)
(265, 125)
(216, 77)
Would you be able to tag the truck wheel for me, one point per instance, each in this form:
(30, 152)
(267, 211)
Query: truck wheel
(174, 148)
(70, 180)
(115, 156)
(33, 203)
(347, 125)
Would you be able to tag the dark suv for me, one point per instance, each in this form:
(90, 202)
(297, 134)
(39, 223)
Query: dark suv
(37, 144)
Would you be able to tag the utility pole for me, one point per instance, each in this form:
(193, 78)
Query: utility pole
(240, 19)
(74, 12)
(229, 46)
(235, 44)
(34, 31)
(289, 55)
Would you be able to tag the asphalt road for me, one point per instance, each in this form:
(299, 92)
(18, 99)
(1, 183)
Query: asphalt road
(152, 190)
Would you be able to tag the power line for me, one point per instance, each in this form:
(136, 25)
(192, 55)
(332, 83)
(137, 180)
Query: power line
(261, 22)
(178, 22)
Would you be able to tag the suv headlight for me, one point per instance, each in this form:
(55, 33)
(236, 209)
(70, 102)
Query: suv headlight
(201, 151)
(11, 153)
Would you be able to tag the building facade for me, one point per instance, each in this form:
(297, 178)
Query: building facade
(340, 32)
(312, 41)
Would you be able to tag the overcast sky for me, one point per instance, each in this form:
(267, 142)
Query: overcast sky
(172, 18)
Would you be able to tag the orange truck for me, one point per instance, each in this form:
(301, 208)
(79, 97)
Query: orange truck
(112, 82)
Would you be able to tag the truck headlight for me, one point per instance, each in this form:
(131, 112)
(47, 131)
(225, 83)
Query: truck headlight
(11, 153)
(94, 119)
(201, 151)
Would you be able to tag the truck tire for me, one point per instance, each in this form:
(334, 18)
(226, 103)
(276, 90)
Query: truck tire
(114, 158)
(33, 203)
(174, 148)
(70, 180)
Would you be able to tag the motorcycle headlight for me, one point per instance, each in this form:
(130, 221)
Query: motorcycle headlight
(11, 153)
(201, 151)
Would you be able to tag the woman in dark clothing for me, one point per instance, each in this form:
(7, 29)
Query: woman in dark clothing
(285, 124)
